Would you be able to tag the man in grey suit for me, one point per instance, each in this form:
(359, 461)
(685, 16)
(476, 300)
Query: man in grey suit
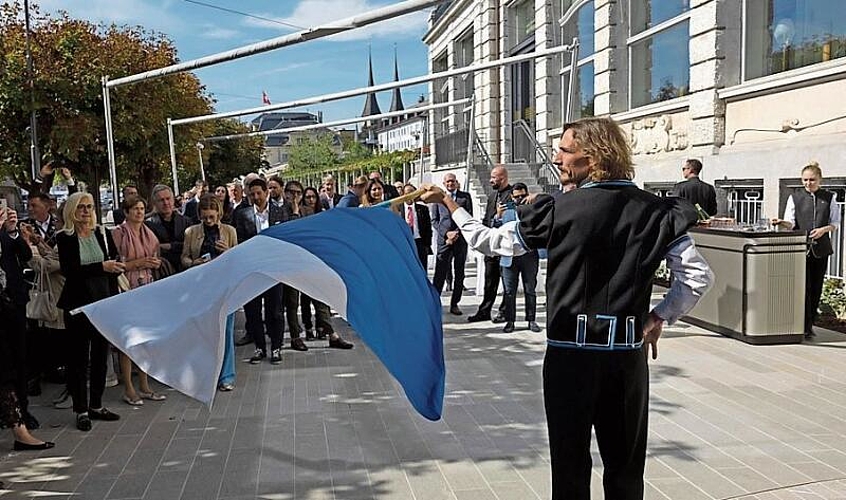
(451, 245)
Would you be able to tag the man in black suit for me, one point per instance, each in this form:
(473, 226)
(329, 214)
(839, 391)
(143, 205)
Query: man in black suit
(451, 245)
(695, 190)
(16, 252)
(420, 223)
(500, 196)
(201, 188)
(43, 223)
(248, 222)
(332, 196)
(168, 225)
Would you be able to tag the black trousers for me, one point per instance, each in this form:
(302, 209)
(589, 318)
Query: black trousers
(322, 315)
(492, 277)
(423, 252)
(457, 255)
(17, 335)
(86, 345)
(271, 324)
(814, 277)
(291, 301)
(608, 391)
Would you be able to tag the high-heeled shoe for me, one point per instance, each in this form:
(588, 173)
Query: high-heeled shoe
(46, 445)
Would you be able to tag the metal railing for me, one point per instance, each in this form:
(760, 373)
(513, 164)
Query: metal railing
(835, 263)
(451, 148)
(547, 173)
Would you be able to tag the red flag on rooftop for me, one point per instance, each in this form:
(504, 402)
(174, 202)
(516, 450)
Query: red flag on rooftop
(264, 98)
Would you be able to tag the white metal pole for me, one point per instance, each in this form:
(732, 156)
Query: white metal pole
(471, 134)
(331, 28)
(200, 154)
(335, 123)
(376, 88)
(574, 69)
(172, 146)
(110, 142)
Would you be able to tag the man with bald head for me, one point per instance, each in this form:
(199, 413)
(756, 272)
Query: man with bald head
(500, 196)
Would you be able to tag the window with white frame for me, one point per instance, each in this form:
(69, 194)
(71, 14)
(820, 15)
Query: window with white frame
(780, 35)
(577, 22)
(440, 93)
(522, 22)
(463, 84)
(659, 57)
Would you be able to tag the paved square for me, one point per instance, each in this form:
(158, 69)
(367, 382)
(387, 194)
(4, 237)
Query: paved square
(728, 421)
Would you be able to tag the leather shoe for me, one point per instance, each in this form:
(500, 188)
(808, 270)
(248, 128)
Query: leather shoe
(533, 326)
(298, 344)
(499, 318)
(46, 445)
(478, 317)
(103, 414)
(455, 310)
(243, 341)
(509, 327)
(340, 343)
(83, 422)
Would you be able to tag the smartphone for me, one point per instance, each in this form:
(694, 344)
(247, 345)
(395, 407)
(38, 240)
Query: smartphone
(509, 205)
(4, 204)
(206, 257)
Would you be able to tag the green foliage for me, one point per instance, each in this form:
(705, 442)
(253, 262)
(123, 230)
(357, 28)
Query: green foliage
(311, 153)
(69, 57)
(230, 159)
(833, 299)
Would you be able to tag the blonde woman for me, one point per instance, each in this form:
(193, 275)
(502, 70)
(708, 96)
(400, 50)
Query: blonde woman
(204, 242)
(138, 249)
(89, 261)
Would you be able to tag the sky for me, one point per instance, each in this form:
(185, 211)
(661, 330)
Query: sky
(309, 69)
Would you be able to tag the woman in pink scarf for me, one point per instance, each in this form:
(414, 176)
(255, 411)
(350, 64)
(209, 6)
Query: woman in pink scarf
(138, 248)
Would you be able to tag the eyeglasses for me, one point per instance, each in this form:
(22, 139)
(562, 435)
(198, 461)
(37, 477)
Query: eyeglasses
(294, 191)
(310, 196)
(85, 206)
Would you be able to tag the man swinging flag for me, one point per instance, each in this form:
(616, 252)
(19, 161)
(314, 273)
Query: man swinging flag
(264, 98)
(363, 263)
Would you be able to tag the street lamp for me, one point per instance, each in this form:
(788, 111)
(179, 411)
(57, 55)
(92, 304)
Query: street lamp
(200, 148)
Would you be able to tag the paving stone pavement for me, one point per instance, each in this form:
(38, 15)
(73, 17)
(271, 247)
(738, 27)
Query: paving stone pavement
(728, 421)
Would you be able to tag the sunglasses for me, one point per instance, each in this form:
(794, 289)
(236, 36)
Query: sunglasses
(85, 206)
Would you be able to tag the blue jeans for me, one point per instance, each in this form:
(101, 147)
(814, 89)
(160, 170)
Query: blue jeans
(526, 266)
(227, 370)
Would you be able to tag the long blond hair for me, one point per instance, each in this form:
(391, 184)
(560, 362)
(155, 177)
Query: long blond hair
(603, 141)
(69, 212)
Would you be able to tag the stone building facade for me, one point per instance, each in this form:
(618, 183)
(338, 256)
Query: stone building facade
(752, 88)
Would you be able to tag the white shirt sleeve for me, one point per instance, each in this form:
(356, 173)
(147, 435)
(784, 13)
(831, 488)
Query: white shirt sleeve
(692, 278)
(834, 212)
(790, 212)
(503, 241)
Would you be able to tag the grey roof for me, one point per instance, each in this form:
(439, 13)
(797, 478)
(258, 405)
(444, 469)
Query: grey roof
(396, 98)
(371, 105)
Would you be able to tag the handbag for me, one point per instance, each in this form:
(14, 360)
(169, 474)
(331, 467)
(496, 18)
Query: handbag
(41, 305)
(122, 280)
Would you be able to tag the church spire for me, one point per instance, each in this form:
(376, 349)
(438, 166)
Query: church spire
(396, 98)
(371, 105)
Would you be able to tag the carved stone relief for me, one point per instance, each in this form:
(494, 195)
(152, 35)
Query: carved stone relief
(656, 135)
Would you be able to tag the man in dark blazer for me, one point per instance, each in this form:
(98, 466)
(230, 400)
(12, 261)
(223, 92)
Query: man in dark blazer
(168, 225)
(417, 217)
(43, 223)
(332, 197)
(16, 252)
(248, 222)
(451, 245)
(694, 189)
(501, 195)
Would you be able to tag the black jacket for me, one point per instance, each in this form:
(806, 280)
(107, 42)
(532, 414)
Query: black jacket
(494, 198)
(695, 191)
(245, 224)
(87, 283)
(180, 224)
(16, 254)
(424, 221)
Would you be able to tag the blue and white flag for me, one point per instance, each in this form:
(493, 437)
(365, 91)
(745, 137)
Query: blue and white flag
(362, 262)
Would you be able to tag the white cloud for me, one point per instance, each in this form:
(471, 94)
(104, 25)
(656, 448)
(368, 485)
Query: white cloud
(311, 13)
(285, 68)
(217, 33)
(147, 13)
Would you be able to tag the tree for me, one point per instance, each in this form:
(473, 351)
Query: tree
(229, 159)
(70, 56)
(312, 152)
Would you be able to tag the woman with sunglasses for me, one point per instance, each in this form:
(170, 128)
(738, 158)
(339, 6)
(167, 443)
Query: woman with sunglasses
(89, 261)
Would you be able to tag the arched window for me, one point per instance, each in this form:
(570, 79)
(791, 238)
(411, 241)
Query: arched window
(578, 22)
(659, 56)
(780, 35)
